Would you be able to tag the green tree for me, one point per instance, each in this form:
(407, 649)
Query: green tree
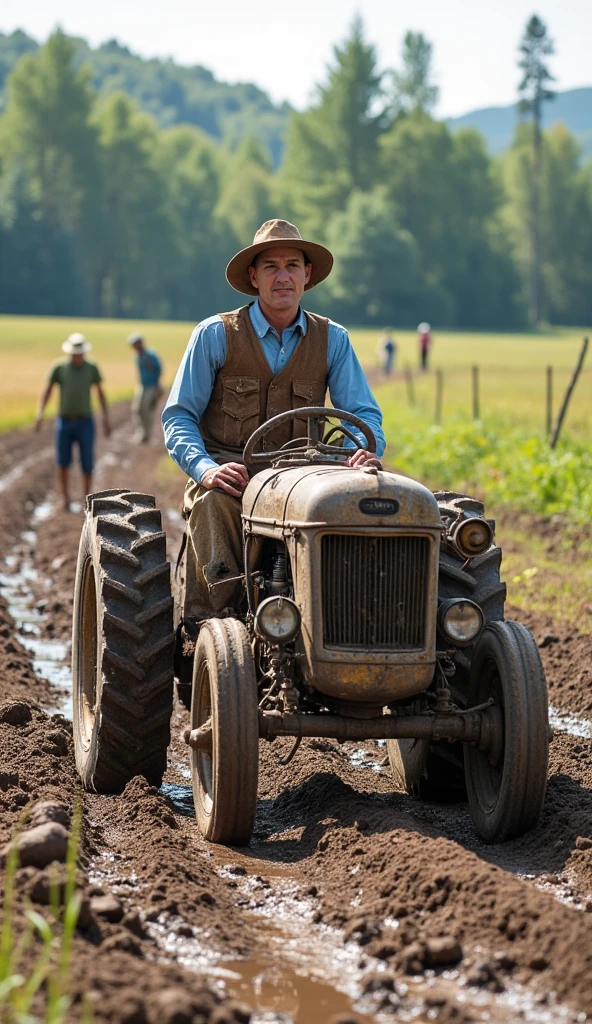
(48, 124)
(202, 242)
(332, 148)
(447, 196)
(39, 269)
(134, 243)
(376, 275)
(247, 194)
(413, 88)
(565, 220)
(535, 47)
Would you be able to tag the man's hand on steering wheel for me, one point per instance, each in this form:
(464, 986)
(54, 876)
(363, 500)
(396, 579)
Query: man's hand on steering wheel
(362, 458)
(232, 477)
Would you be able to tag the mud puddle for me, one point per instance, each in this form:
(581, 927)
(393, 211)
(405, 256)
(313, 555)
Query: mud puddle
(50, 658)
(575, 725)
(22, 468)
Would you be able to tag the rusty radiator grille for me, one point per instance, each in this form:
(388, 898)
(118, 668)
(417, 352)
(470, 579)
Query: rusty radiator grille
(374, 591)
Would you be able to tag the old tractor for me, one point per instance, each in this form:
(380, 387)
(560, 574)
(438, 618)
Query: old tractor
(373, 609)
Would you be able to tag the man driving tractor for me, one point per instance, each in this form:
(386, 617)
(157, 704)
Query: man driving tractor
(239, 370)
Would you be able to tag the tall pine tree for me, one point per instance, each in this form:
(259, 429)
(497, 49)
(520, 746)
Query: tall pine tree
(535, 47)
(332, 148)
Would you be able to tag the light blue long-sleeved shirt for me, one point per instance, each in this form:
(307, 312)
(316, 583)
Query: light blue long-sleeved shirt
(206, 354)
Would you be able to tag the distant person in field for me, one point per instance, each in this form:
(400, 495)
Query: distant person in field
(387, 351)
(424, 338)
(149, 390)
(75, 377)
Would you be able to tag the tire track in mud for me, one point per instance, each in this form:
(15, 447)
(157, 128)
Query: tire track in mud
(346, 883)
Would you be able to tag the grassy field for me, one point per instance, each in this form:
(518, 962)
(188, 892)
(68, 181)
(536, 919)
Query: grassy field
(504, 458)
(29, 345)
(512, 367)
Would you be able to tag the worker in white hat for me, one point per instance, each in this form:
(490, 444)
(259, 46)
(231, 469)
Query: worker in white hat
(74, 424)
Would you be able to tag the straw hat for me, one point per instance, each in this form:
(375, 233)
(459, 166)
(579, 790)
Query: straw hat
(133, 339)
(423, 328)
(76, 344)
(275, 233)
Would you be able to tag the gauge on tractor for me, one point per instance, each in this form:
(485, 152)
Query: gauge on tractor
(460, 621)
(278, 620)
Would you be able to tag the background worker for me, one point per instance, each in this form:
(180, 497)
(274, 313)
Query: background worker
(387, 351)
(74, 424)
(424, 338)
(149, 390)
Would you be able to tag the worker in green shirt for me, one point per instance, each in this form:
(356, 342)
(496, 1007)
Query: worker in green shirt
(74, 424)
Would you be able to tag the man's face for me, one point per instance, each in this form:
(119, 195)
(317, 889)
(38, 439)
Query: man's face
(137, 345)
(280, 275)
(78, 358)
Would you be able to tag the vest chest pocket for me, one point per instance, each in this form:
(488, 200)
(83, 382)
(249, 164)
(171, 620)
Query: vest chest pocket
(308, 392)
(240, 405)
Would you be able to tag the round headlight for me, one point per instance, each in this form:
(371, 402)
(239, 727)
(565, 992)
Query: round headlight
(471, 536)
(277, 619)
(460, 621)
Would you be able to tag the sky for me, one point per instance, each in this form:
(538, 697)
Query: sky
(285, 48)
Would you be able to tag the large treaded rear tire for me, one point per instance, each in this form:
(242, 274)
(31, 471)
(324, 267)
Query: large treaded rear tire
(122, 643)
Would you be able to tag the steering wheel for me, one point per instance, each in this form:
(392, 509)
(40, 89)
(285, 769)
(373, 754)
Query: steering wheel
(315, 415)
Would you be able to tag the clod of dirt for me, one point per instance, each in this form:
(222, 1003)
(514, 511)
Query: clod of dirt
(442, 951)
(107, 907)
(482, 975)
(122, 941)
(47, 810)
(15, 712)
(41, 886)
(133, 922)
(39, 846)
(176, 1006)
(548, 639)
(232, 1013)
(379, 982)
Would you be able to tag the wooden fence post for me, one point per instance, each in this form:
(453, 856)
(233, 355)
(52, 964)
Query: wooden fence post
(410, 388)
(476, 392)
(568, 393)
(439, 390)
(549, 400)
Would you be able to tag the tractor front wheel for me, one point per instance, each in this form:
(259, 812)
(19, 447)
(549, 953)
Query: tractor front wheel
(506, 786)
(224, 705)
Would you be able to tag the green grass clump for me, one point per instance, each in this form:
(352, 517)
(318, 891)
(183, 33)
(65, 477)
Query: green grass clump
(504, 464)
(21, 988)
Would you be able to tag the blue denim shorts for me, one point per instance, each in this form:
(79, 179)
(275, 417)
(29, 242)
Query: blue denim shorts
(80, 432)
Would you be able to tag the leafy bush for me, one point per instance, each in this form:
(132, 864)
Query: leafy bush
(501, 462)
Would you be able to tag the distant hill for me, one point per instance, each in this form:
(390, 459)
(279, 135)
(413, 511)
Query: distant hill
(176, 94)
(572, 107)
(171, 93)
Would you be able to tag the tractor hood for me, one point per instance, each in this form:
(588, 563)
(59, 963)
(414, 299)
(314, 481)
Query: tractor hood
(336, 495)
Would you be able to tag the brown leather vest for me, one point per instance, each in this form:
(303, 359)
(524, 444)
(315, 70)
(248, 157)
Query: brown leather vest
(246, 393)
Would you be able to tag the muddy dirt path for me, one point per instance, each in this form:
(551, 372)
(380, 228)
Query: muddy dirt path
(352, 903)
